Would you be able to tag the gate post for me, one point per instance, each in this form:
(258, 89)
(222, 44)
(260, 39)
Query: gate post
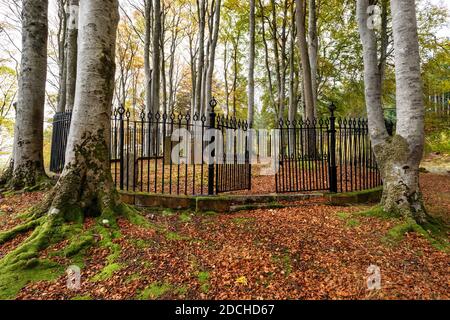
(121, 112)
(212, 125)
(332, 168)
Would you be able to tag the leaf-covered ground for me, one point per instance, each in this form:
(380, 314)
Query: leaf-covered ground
(312, 251)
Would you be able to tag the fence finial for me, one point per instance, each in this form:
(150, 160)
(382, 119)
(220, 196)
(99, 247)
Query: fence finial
(213, 104)
(332, 108)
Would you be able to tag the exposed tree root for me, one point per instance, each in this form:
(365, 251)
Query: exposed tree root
(52, 225)
(401, 190)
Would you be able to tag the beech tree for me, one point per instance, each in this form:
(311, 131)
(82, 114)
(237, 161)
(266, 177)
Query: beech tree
(300, 14)
(251, 66)
(28, 137)
(85, 186)
(71, 51)
(399, 156)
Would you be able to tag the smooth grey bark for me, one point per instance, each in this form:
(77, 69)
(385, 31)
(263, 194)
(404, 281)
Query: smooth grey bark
(398, 157)
(28, 158)
(403, 189)
(147, 65)
(313, 47)
(372, 77)
(201, 9)
(235, 70)
(266, 58)
(62, 56)
(156, 57)
(86, 180)
(293, 99)
(282, 76)
(212, 54)
(308, 96)
(71, 49)
(162, 41)
(251, 66)
(225, 73)
(274, 26)
(193, 60)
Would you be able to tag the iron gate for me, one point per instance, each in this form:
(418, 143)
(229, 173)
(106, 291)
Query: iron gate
(233, 167)
(325, 155)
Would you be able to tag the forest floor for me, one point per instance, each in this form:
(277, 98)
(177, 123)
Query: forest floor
(311, 251)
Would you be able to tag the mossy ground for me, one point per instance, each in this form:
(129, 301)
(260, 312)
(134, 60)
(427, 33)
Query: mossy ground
(188, 255)
(435, 230)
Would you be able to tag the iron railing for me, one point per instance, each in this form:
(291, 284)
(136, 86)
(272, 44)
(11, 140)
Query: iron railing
(145, 158)
(326, 154)
(168, 153)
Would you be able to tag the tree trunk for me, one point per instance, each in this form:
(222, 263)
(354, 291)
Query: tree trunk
(28, 158)
(147, 67)
(212, 55)
(201, 8)
(62, 56)
(156, 74)
(306, 68)
(313, 46)
(72, 51)
(402, 193)
(372, 78)
(85, 186)
(225, 74)
(235, 72)
(398, 157)
(251, 67)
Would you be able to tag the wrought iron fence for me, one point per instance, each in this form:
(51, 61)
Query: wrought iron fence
(61, 126)
(168, 153)
(326, 154)
(163, 153)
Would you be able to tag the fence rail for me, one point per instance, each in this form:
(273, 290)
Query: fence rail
(326, 154)
(145, 158)
(168, 153)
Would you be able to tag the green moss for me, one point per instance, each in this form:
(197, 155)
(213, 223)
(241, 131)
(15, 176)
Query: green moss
(107, 272)
(241, 221)
(185, 217)
(133, 277)
(182, 291)
(140, 243)
(85, 297)
(154, 291)
(284, 260)
(343, 215)
(434, 232)
(208, 213)
(168, 213)
(352, 223)
(175, 236)
(377, 212)
(13, 281)
(135, 218)
(10, 234)
(107, 235)
(81, 243)
(203, 279)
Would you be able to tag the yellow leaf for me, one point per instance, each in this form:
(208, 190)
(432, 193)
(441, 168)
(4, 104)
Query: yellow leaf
(242, 280)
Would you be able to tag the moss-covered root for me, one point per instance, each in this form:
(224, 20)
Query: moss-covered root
(29, 179)
(48, 232)
(400, 201)
(11, 234)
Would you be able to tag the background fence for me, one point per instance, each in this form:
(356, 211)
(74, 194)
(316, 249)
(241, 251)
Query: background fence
(144, 158)
(326, 154)
(319, 155)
